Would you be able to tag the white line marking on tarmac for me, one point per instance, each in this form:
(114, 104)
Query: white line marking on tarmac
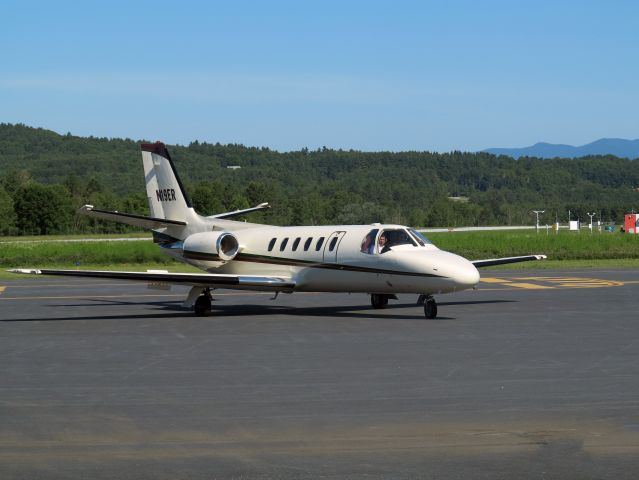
(142, 295)
(76, 297)
(86, 285)
(78, 240)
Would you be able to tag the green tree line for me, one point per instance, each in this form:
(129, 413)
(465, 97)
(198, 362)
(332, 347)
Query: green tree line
(45, 177)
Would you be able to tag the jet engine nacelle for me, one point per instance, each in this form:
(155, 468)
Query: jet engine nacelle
(211, 246)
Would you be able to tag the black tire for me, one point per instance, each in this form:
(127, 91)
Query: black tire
(202, 306)
(379, 300)
(430, 308)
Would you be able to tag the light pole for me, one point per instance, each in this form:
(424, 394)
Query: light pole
(537, 212)
(590, 215)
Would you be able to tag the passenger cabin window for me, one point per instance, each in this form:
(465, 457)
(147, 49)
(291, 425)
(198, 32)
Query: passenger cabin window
(296, 243)
(319, 243)
(271, 244)
(283, 244)
(331, 245)
(368, 243)
(307, 243)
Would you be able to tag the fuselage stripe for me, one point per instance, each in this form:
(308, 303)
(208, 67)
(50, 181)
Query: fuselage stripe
(248, 257)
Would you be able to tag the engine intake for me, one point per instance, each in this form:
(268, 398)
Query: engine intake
(212, 246)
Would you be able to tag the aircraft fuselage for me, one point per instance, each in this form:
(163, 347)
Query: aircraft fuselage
(333, 259)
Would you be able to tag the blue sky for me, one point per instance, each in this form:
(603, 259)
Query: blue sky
(369, 75)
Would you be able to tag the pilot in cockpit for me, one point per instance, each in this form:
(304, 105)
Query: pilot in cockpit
(382, 244)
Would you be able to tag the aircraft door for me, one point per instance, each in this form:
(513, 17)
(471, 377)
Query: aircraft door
(331, 246)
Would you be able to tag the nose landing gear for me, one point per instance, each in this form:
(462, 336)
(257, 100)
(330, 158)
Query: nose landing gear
(430, 307)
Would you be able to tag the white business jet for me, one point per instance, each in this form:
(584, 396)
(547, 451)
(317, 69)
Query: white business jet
(379, 259)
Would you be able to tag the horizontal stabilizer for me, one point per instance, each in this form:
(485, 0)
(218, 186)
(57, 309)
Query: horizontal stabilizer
(237, 213)
(150, 223)
(214, 280)
(501, 261)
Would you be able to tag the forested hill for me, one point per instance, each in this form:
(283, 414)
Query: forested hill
(314, 187)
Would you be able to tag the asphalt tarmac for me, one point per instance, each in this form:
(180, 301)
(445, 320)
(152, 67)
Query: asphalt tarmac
(534, 375)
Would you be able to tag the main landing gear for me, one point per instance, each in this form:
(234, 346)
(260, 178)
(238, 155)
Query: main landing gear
(202, 306)
(379, 300)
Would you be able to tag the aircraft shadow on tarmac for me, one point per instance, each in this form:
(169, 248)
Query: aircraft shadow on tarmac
(170, 308)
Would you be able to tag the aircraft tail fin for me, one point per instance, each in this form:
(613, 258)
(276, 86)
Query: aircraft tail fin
(167, 197)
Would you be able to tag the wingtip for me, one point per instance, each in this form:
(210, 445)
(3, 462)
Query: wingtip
(85, 208)
(25, 271)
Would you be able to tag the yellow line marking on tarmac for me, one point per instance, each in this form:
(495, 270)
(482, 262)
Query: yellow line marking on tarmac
(555, 279)
(540, 283)
(2, 289)
(530, 286)
(498, 289)
(511, 283)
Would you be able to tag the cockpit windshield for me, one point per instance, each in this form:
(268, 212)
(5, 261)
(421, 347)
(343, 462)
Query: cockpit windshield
(421, 239)
(393, 237)
(398, 237)
(380, 242)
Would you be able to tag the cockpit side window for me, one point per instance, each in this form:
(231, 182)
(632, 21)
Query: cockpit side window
(368, 243)
(392, 237)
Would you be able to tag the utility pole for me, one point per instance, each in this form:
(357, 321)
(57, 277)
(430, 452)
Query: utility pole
(537, 212)
(590, 215)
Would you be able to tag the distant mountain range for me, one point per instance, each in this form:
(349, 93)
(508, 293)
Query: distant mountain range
(618, 147)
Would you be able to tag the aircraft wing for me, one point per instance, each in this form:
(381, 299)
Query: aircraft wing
(150, 223)
(500, 261)
(214, 280)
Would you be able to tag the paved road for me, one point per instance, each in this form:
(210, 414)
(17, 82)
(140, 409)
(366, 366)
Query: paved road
(532, 376)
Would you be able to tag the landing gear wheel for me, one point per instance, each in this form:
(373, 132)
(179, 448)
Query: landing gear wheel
(379, 300)
(202, 305)
(430, 308)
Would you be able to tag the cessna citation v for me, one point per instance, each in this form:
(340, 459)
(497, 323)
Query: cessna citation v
(379, 259)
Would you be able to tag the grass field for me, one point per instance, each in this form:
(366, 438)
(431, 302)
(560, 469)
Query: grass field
(564, 250)
(564, 245)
